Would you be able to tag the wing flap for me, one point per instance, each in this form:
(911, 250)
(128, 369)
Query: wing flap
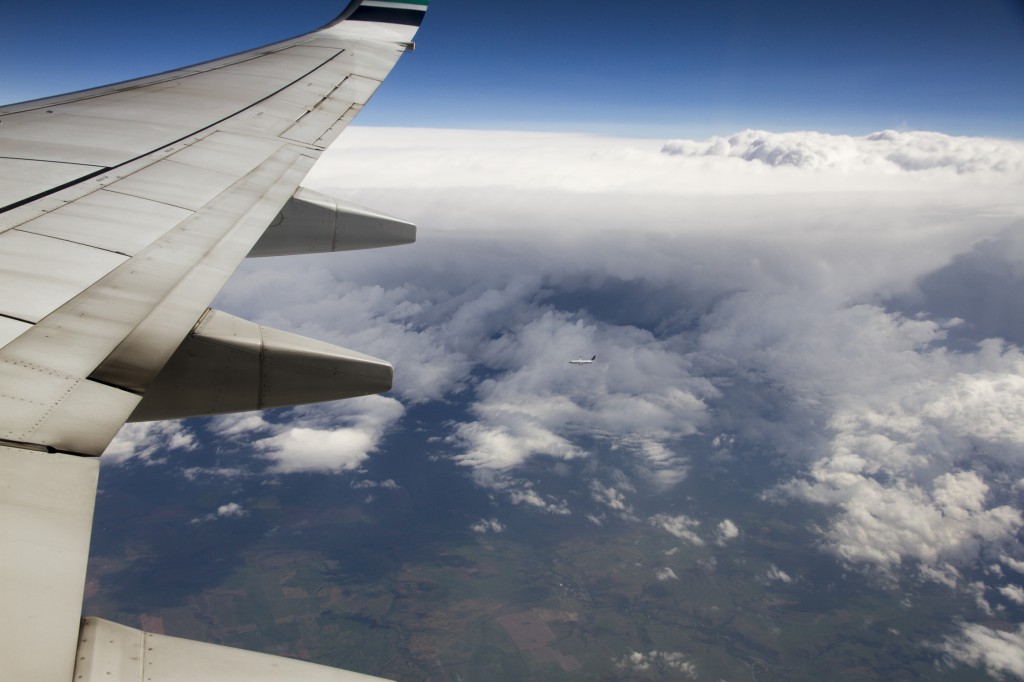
(45, 407)
(39, 274)
(46, 503)
(26, 177)
(116, 222)
(109, 652)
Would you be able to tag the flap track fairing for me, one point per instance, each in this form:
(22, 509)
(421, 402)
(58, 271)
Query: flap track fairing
(312, 222)
(227, 364)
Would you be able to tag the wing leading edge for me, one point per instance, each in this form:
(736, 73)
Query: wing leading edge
(123, 211)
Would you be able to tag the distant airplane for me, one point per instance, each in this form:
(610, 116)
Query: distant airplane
(583, 361)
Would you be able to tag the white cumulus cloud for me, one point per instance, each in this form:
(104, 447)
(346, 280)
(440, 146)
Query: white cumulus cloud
(329, 438)
(681, 526)
(231, 510)
(663, 574)
(669, 661)
(726, 531)
(145, 440)
(484, 526)
(998, 651)
(883, 152)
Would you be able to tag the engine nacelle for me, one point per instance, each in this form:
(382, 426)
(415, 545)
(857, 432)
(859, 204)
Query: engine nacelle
(227, 364)
(315, 223)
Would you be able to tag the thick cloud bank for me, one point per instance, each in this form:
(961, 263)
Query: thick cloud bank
(887, 151)
(788, 290)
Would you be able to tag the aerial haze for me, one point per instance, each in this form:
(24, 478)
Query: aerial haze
(792, 236)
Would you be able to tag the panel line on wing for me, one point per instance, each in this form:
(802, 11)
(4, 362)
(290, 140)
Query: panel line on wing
(63, 163)
(97, 173)
(72, 241)
(172, 76)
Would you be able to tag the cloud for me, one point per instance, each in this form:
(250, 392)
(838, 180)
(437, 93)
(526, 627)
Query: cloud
(1014, 593)
(326, 438)
(484, 526)
(612, 498)
(147, 440)
(1014, 564)
(883, 152)
(639, 399)
(776, 574)
(231, 510)
(680, 526)
(997, 651)
(193, 473)
(336, 438)
(389, 484)
(663, 574)
(669, 661)
(531, 498)
(977, 590)
(884, 524)
(726, 531)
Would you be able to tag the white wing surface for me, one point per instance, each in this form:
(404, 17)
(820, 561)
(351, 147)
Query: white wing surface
(123, 211)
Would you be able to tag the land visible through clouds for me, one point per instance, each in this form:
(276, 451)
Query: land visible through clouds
(797, 453)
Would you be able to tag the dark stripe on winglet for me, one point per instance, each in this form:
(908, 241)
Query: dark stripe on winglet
(388, 15)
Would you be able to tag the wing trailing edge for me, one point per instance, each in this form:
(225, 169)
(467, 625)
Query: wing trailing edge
(111, 652)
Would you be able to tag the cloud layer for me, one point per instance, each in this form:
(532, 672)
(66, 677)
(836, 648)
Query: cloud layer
(884, 152)
(787, 289)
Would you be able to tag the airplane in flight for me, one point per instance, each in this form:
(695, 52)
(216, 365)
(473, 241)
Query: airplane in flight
(583, 361)
(123, 211)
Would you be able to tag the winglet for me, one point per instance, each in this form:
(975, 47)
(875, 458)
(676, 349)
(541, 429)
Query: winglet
(404, 12)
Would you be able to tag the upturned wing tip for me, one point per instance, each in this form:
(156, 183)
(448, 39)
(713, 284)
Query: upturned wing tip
(405, 12)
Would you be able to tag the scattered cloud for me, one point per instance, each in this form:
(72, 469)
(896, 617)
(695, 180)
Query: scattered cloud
(389, 484)
(977, 590)
(884, 152)
(611, 497)
(194, 473)
(1014, 593)
(726, 531)
(484, 526)
(332, 438)
(531, 498)
(669, 661)
(999, 652)
(680, 526)
(231, 510)
(663, 574)
(777, 575)
(149, 440)
(1014, 564)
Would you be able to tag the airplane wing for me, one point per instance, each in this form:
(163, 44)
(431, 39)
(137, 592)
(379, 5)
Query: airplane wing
(123, 211)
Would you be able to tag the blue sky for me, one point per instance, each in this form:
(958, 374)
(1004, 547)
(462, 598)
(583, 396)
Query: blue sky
(663, 68)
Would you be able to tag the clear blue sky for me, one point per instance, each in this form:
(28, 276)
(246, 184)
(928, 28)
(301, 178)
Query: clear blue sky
(660, 68)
